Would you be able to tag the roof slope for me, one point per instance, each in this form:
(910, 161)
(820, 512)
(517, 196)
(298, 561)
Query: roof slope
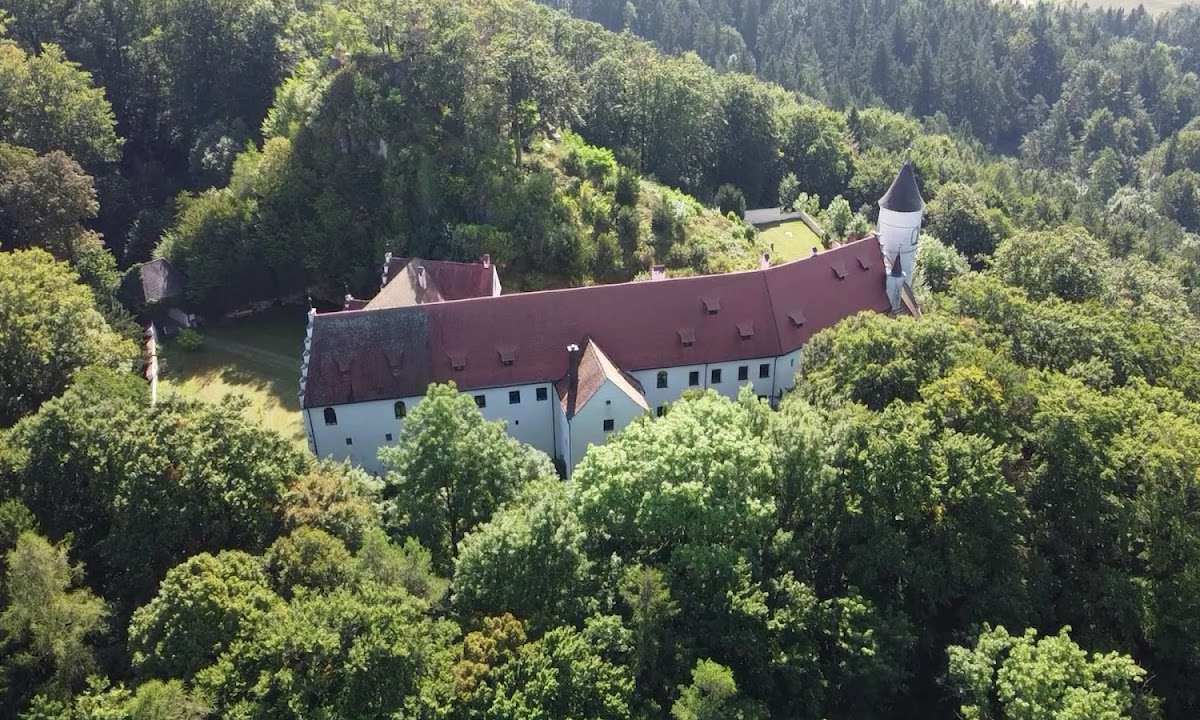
(904, 195)
(443, 281)
(522, 338)
(769, 216)
(595, 369)
(160, 281)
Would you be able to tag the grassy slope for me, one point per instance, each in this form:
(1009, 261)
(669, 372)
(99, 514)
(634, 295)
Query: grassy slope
(708, 233)
(258, 358)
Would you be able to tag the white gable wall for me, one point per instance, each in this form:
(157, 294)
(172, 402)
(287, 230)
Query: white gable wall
(587, 427)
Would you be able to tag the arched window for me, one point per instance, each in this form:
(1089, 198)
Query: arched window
(662, 378)
(400, 408)
(330, 416)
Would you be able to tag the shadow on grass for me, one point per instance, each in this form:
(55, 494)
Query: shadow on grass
(212, 372)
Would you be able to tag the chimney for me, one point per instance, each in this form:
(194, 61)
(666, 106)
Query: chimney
(765, 261)
(387, 260)
(895, 283)
(421, 276)
(658, 272)
(814, 252)
(572, 365)
(486, 260)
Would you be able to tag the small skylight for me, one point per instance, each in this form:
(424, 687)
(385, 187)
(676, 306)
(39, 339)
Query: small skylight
(343, 364)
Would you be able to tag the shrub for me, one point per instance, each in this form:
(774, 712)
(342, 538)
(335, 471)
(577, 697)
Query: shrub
(591, 163)
(730, 200)
(628, 188)
(789, 191)
(189, 340)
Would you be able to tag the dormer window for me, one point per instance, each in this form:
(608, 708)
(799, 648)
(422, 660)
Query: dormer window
(839, 270)
(864, 264)
(745, 330)
(458, 361)
(508, 355)
(797, 318)
(687, 336)
(712, 305)
(395, 361)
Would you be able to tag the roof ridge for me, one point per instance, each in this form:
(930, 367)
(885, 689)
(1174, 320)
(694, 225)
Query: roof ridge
(845, 248)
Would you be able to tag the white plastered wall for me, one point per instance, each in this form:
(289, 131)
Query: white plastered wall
(587, 427)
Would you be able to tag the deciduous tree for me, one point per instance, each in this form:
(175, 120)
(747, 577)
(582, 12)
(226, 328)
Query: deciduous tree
(451, 470)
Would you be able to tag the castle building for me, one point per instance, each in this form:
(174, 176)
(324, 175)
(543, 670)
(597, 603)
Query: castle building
(566, 368)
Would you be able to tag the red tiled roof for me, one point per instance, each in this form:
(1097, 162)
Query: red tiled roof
(640, 325)
(444, 281)
(595, 368)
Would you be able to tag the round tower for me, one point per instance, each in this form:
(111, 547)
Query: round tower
(900, 212)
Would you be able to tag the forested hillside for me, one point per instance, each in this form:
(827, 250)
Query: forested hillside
(991, 511)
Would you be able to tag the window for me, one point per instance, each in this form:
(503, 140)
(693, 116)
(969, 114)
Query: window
(764, 370)
(481, 401)
(349, 441)
(541, 394)
(716, 377)
(743, 372)
(514, 397)
(401, 409)
(388, 437)
(330, 416)
(608, 425)
(661, 410)
(662, 379)
(694, 378)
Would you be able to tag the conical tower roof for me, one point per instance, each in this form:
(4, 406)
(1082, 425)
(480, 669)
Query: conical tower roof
(904, 195)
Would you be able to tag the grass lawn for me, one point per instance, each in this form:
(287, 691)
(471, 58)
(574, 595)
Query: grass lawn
(257, 357)
(790, 240)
